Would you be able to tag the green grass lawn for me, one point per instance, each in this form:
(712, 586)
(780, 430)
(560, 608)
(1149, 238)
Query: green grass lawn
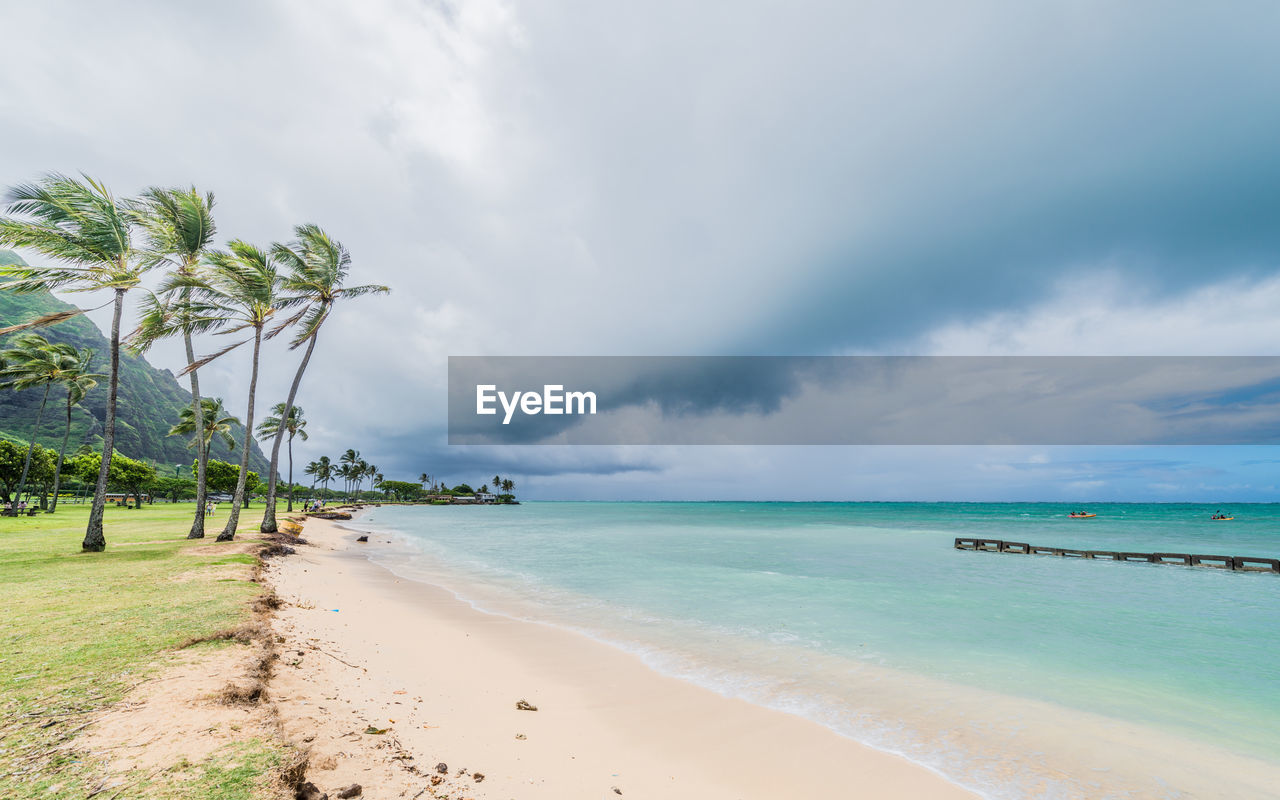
(77, 630)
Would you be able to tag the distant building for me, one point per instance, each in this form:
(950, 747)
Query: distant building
(485, 497)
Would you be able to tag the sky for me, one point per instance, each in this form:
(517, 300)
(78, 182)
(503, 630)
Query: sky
(756, 178)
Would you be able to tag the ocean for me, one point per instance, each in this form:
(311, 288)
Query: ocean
(1013, 675)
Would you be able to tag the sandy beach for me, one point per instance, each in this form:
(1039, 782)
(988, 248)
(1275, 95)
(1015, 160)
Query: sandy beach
(385, 679)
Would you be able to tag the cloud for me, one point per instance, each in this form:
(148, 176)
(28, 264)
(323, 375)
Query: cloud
(1108, 313)
(569, 177)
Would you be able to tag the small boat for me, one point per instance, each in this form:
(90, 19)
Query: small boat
(1081, 516)
(1221, 519)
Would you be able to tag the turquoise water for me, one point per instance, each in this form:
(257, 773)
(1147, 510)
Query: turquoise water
(803, 606)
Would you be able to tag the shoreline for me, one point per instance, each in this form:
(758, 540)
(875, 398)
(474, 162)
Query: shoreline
(977, 741)
(443, 678)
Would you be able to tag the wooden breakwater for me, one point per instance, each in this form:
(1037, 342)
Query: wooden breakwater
(1233, 563)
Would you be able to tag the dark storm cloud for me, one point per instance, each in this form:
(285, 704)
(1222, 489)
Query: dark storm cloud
(1043, 141)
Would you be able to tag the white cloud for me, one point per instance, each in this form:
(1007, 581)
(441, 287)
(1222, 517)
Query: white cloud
(1104, 314)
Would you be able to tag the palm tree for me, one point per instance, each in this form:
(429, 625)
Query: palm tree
(497, 483)
(318, 265)
(238, 290)
(216, 422)
(345, 472)
(180, 229)
(508, 486)
(424, 479)
(313, 469)
(357, 477)
(325, 473)
(294, 424)
(79, 381)
(80, 225)
(350, 461)
(32, 362)
(362, 471)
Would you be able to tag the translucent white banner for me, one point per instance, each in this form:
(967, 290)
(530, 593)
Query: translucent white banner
(911, 400)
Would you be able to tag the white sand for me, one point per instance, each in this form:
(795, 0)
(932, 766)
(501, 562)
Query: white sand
(444, 679)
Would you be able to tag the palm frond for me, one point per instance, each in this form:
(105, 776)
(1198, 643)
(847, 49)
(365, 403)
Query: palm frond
(360, 291)
(178, 223)
(78, 224)
(287, 323)
(70, 219)
(318, 265)
(201, 362)
(310, 325)
(43, 321)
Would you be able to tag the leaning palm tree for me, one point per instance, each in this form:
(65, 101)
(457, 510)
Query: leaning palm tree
(239, 290)
(80, 225)
(216, 422)
(180, 229)
(345, 472)
(313, 469)
(294, 424)
(79, 381)
(324, 472)
(32, 362)
(318, 266)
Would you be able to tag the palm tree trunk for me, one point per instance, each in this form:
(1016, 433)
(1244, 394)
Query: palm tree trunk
(57, 471)
(31, 447)
(202, 449)
(95, 541)
(269, 517)
(237, 500)
(271, 504)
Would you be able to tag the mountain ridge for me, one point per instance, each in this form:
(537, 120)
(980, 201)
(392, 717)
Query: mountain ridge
(147, 405)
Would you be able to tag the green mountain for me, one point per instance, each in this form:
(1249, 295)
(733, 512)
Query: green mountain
(146, 407)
